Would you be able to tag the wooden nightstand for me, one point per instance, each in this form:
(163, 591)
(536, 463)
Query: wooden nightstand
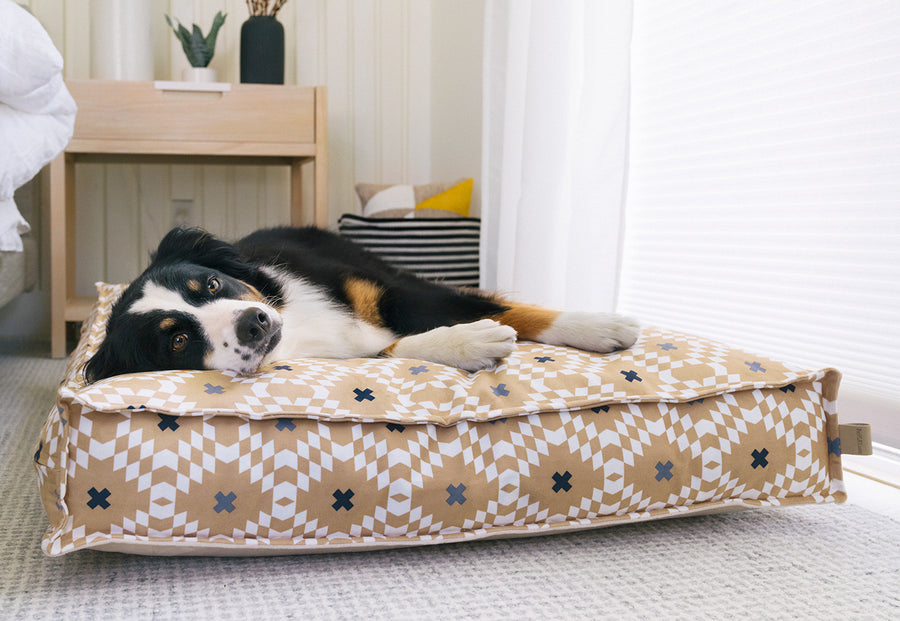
(136, 121)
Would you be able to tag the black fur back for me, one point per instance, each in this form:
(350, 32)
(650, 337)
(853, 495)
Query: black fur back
(409, 305)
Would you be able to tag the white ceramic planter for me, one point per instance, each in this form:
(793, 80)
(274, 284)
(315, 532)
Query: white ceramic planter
(198, 74)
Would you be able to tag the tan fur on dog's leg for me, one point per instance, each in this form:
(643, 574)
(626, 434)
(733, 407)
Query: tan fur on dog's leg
(599, 332)
(528, 321)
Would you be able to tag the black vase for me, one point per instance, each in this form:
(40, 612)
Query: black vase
(262, 50)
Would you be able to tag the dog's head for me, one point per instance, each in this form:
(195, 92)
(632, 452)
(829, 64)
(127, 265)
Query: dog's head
(194, 307)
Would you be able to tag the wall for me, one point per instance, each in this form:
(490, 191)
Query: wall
(456, 92)
(376, 58)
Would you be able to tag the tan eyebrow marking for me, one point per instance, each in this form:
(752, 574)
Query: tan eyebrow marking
(253, 294)
(166, 323)
(193, 285)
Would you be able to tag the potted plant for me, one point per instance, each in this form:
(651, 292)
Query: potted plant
(199, 49)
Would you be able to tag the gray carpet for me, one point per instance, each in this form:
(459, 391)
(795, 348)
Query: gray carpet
(818, 562)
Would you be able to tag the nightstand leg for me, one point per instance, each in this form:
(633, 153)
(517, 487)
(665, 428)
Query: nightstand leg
(59, 169)
(297, 193)
(321, 161)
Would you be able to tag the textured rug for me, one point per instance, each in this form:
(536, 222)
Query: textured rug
(822, 562)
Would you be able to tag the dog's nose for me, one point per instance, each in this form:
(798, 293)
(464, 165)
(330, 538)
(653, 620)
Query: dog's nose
(252, 327)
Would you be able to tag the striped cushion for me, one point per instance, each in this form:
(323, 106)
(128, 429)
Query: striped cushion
(439, 249)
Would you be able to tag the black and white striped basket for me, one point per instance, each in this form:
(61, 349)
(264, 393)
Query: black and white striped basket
(440, 249)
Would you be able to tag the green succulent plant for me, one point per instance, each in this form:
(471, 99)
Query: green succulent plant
(198, 49)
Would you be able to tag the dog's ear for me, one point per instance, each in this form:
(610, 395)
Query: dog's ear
(194, 245)
(102, 364)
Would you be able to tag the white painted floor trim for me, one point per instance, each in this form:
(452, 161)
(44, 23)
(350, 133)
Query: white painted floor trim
(873, 481)
(882, 465)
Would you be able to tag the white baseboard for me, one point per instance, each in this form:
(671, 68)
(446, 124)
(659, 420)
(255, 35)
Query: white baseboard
(883, 465)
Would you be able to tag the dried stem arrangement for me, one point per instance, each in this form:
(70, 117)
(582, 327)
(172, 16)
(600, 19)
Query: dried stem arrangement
(261, 7)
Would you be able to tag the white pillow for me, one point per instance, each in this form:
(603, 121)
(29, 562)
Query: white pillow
(30, 65)
(37, 113)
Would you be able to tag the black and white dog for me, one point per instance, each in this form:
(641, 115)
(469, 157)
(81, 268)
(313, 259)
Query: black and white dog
(305, 292)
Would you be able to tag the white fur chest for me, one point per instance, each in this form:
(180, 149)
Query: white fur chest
(316, 327)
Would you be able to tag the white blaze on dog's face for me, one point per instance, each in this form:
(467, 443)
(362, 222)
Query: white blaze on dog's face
(209, 320)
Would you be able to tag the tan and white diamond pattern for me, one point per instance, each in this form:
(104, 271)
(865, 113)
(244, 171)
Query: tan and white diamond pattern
(553, 468)
(386, 452)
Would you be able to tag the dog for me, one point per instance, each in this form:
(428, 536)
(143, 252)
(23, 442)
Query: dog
(280, 293)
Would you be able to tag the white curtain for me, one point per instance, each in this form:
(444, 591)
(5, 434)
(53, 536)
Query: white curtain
(555, 134)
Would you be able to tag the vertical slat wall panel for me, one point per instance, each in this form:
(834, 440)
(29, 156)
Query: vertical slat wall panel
(77, 31)
(363, 87)
(90, 224)
(122, 223)
(373, 55)
(155, 206)
(391, 88)
(417, 25)
(338, 45)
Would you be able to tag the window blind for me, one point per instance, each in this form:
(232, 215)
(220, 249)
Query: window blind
(763, 204)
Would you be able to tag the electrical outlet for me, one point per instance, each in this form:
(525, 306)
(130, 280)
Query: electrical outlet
(182, 212)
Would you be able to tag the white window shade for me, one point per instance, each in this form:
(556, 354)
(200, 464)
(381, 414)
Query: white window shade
(763, 204)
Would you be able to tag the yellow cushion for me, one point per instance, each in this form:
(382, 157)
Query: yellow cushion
(399, 201)
(457, 199)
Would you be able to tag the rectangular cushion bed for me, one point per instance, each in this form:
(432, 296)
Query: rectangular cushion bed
(323, 455)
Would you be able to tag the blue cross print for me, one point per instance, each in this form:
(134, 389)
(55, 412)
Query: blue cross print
(631, 375)
(167, 421)
(342, 500)
(664, 471)
(759, 458)
(755, 366)
(225, 503)
(561, 481)
(455, 494)
(98, 499)
(500, 390)
(363, 394)
(285, 424)
(834, 446)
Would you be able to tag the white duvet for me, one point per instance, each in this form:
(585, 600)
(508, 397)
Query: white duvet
(37, 113)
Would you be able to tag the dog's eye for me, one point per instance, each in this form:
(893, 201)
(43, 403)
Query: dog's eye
(179, 342)
(213, 285)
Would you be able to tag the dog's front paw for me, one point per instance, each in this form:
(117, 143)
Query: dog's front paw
(479, 345)
(468, 346)
(599, 332)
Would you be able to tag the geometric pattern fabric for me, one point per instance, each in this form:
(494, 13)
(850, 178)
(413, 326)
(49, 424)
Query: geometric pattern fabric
(333, 454)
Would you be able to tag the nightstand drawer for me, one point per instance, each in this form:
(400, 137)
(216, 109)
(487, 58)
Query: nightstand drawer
(125, 112)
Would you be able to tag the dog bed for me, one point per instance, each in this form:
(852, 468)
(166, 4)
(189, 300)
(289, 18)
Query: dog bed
(323, 455)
